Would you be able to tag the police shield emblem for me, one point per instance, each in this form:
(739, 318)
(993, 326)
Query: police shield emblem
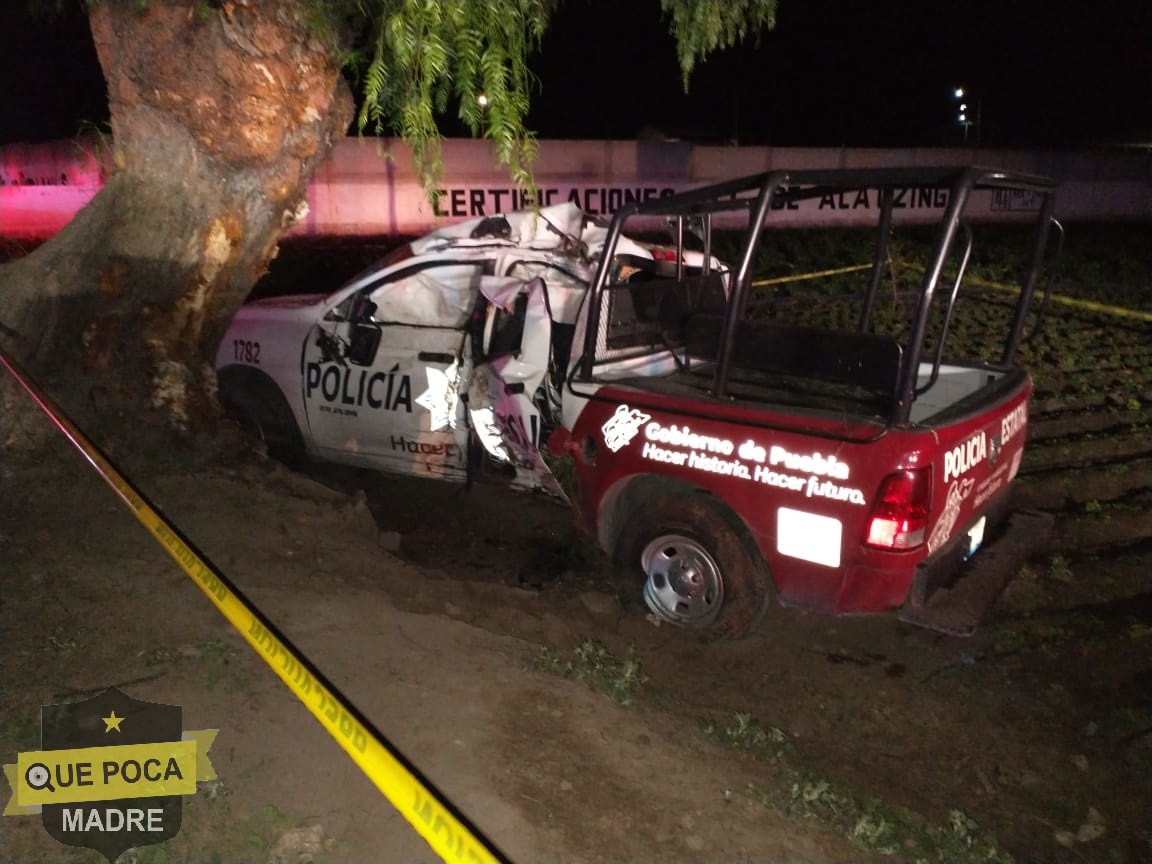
(110, 720)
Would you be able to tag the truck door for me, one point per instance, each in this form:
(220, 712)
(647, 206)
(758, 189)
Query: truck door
(503, 399)
(382, 372)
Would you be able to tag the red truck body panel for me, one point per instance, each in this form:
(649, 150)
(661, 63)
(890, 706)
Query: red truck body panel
(773, 468)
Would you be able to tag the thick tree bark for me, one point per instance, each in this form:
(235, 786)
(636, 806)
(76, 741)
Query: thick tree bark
(218, 122)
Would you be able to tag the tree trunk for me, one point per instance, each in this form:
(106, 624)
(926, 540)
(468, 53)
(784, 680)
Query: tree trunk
(219, 119)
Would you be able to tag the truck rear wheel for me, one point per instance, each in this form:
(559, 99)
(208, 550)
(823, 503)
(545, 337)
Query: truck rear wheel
(695, 567)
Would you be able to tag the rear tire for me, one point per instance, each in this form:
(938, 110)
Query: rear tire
(694, 565)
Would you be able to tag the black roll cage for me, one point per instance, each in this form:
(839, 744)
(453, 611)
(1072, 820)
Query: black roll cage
(762, 194)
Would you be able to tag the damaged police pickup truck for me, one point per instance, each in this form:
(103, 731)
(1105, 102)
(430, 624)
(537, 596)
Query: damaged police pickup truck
(732, 438)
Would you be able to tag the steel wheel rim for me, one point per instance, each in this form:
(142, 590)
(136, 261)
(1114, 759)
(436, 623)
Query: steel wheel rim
(682, 581)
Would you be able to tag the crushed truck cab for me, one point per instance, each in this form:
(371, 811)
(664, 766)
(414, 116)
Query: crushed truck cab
(843, 441)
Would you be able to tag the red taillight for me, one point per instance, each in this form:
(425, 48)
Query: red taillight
(900, 516)
(659, 254)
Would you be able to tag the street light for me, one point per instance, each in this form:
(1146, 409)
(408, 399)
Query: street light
(964, 116)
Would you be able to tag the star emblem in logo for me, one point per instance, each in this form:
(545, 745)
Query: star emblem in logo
(440, 398)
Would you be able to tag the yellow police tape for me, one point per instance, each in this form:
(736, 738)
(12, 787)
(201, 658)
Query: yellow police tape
(818, 274)
(1074, 302)
(1089, 305)
(432, 818)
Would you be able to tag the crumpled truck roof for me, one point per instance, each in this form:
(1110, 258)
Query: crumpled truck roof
(558, 226)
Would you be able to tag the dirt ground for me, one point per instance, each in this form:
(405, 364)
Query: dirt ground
(442, 663)
(1033, 729)
(485, 640)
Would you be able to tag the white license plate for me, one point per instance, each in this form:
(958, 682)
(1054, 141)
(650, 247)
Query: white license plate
(975, 537)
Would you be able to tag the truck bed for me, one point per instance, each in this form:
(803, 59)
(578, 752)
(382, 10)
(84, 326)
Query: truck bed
(828, 371)
(753, 388)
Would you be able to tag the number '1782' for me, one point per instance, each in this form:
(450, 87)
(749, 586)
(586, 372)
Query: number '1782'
(246, 351)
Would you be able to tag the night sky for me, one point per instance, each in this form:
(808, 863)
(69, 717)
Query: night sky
(832, 73)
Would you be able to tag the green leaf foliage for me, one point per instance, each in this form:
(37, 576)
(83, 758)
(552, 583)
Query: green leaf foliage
(704, 26)
(426, 55)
